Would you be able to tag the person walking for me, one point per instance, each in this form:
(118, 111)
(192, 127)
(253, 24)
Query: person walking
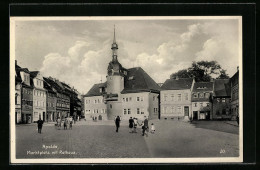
(58, 123)
(237, 117)
(70, 122)
(152, 128)
(40, 123)
(131, 125)
(135, 124)
(145, 126)
(65, 123)
(117, 121)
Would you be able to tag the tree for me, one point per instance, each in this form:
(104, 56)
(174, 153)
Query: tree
(202, 71)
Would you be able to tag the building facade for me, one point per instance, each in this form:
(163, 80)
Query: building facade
(26, 94)
(221, 99)
(234, 83)
(176, 98)
(126, 93)
(202, 101)
(51, 102)
(39, 97)
(18, 98)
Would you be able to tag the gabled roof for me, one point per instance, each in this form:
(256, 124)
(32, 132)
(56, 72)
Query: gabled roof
(137, 80)
(34, 73)
(53, 84)
(19, 69)
(177, 84)
(202, 86)
(47, 87)
(234, 79)
(94, 91)
(221, 87)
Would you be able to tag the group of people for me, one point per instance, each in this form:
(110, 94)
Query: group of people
(66, 122)
(133, 122)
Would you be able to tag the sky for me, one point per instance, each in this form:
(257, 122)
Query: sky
(78, 51)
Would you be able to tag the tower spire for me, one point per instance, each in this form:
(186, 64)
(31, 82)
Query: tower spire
(114, 41)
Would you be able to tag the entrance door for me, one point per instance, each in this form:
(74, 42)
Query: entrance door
(43, 116)
(186, 111)
(16, 117)
(195, 115)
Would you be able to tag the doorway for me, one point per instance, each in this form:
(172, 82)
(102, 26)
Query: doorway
(43, 115)
(195, 115)
(186, 111)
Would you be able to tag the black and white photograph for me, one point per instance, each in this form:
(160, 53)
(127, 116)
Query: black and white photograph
(143, 89)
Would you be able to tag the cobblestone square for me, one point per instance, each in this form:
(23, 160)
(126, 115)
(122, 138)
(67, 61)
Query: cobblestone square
(87, 139)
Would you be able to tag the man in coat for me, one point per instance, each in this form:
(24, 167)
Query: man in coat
(117, 121)
(40, 122)
(145, 126)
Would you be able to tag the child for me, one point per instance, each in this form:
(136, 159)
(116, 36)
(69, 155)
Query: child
(152, 128)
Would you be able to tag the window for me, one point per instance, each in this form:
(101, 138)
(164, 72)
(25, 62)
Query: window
(223, 100)
(165, 97)
(218, 100)
(95, 101)
(34, 93)
(110, 106)
(172, 96)
(173, 109)
(206, 95)
(123, 99)
(201, 95)
(138, 111)
(142, 98)
(98, 101)
(186, 96)
(130, 99)
(201, 104)
(195, 104)
(208, 104)
(129, 111)
(179, 97)
(138, 99)
(124, 111)
(142, 111)
(126, 99)
(179, 109)
(195, 95)
(165, 109)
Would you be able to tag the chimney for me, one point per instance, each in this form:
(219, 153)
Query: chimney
(237, 68)
(15, 62)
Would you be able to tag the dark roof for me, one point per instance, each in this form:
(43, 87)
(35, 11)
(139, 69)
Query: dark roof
(177, 84)
(34, 73)
(137, 80)
(234, 79)
(47, 87)
(19, 69)
(221, 87)
(53, 84)
(94, 91)
(202, 86)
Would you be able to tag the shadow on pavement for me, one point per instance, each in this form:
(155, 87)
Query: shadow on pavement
(216, 126)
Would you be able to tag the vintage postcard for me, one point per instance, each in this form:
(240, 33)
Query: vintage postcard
(126, 89)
